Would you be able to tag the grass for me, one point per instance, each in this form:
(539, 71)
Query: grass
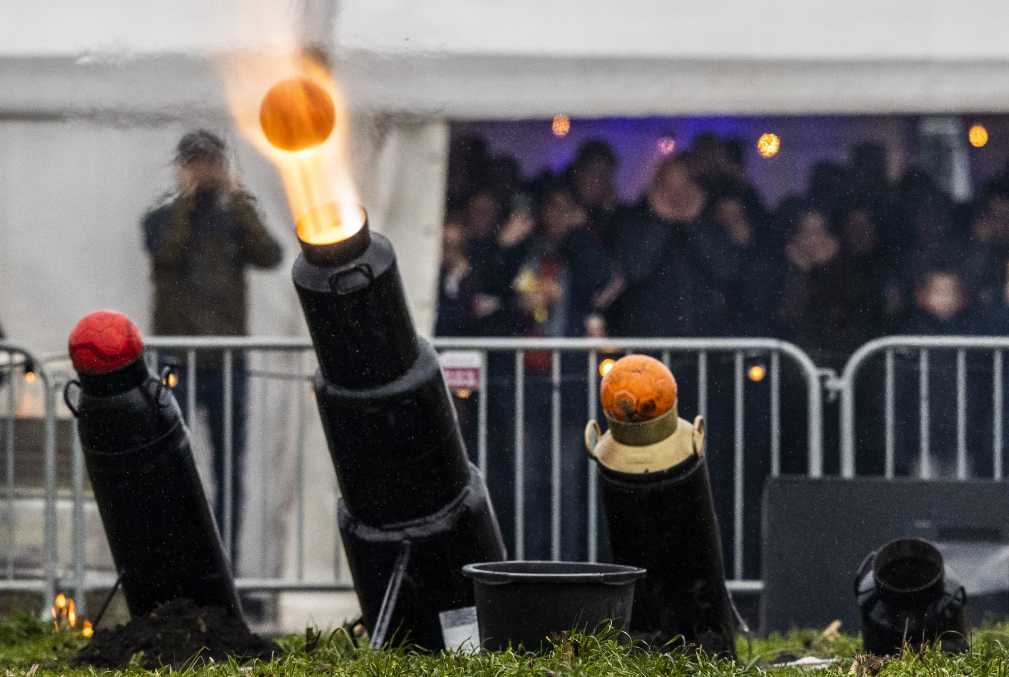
(28, 646)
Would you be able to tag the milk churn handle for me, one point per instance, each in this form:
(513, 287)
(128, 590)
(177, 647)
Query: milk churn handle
(697, 440)
(863, 569)
(66, 397)
(959, 596)
(166, 373)
(592, 434)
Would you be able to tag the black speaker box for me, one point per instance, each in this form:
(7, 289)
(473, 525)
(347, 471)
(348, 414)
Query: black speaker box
(816, 532)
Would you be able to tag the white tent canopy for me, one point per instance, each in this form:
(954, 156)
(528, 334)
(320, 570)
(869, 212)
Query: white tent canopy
(534, 58)
(525, 58)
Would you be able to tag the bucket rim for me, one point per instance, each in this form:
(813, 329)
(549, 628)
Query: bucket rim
(548, 571)
(917, 548)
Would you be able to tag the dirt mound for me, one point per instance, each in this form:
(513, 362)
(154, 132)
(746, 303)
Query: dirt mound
(174, 634)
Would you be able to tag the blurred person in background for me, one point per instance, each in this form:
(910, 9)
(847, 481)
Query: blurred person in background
(715, 164)
(671, 256)
(942, 304)
(200, 243)
(880, 307)
(744, 300)
(989, 247)
(926, 221)
(504, 178)
(467, 168)
(591, 176)
(455, 284)
(482, 255)
(819, 303)
(829, 188)
(556, 292)
(943, 307)
(492, 262)
(868, 173)
(709, 162)
(862, 245)
(817, 308)
(563, 268)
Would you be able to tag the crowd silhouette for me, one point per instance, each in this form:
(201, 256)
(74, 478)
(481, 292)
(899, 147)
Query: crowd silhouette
(700, 253)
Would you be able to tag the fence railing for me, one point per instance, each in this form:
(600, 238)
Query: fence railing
(538, 397)
(17, 366)
(918, 354)
(700, 350)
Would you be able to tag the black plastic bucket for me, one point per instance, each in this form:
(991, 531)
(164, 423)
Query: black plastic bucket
(523, 603)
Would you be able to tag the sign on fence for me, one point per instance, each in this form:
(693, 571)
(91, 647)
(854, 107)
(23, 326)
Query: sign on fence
(461, 369)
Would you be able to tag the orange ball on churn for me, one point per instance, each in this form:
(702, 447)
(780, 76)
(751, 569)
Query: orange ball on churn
(637, 388)
(297, 114)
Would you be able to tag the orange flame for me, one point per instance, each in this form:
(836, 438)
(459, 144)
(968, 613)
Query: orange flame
(87, 630)
(298, 100)
(71, 614)
(59, 609)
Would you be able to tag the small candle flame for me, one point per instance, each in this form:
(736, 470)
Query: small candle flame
(605, 366)
(87, 630)
(64, 610)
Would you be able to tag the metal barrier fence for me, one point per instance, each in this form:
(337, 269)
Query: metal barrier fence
(18, 365)
(919, 354)
(301, 378)
(665, 348)
(297, 370)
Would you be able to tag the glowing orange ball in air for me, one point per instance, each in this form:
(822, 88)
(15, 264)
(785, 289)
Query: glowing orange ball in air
(637, 388)
(297, 114)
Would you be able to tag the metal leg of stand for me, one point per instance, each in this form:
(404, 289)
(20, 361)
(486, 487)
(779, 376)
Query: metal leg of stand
(379, 636)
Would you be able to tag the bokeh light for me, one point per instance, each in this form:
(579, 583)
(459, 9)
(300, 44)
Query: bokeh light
(768, 145)
(978, 136)
(757, 373)
(666, 144)
(605, 366)
(561, 125)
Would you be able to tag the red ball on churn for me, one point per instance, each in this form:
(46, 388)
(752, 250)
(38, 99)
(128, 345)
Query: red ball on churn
(105, 341)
